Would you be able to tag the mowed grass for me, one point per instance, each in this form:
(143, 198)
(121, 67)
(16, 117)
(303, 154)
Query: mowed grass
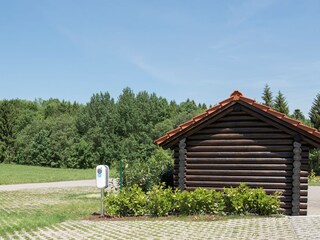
(32, 209)
(315, 181)
(14, 174)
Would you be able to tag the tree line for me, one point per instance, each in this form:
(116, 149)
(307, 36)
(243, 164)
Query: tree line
(63, 134)
(60, 133)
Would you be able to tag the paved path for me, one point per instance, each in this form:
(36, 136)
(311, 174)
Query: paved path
(78, 183)
(314, 200)
(288, 228)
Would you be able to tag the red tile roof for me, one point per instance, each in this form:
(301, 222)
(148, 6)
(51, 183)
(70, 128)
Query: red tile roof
(235, 97)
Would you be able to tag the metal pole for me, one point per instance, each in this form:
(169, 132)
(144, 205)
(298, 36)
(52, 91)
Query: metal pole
(120, 175)
(101, 206)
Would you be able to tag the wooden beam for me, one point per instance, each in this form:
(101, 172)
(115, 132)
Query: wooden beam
(296, 178)
(240, 142)
(281, 124)
(182, 160)
(170, 143)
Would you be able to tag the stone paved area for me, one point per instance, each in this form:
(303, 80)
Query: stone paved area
(246, 228)
(306, 227)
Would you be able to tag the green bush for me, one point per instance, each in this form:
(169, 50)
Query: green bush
(200, 201)
(130, 201)
(148, 173)
(244, 200)
(263, 204)
(160, 201)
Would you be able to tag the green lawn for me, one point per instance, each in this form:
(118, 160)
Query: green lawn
(31, 209)
(315, 181)
(13, 174)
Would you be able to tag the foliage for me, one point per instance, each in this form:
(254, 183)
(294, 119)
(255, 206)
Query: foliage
(314, 113)
(311, 176)
(314, 160)
(148, 173)
(131, 201)
(267, 96)
(297, 114)
(8, 122)
(160, 201)
(243, 200)
(200, 201)
(49, 142)
(58, 133)
(313, 179)
(280, 104)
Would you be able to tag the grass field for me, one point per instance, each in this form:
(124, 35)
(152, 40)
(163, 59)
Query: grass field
(315, 181)
(28, 210)
(14, 174)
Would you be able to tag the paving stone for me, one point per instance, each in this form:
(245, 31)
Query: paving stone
(245, 228)
(306, 227)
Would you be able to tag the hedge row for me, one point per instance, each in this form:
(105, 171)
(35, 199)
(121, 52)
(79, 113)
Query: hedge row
(159, 201)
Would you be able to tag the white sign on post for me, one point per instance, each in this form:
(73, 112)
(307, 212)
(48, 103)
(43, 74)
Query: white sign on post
(102, 179)
(102, 176)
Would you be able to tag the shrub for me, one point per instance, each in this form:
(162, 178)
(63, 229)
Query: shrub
(149, 173)
(130, 201)
(244, 200)
(159, 201)
(200, 201)
(235, 201)
(263, 204)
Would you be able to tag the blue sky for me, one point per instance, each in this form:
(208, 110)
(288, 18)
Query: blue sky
(202, 50)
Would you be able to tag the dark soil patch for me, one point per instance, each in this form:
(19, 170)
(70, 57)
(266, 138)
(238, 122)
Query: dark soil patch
(106, 217)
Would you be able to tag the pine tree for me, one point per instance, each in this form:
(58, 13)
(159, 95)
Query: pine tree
(267, 96)
(297, 114)
(314, 113)
(280, 104)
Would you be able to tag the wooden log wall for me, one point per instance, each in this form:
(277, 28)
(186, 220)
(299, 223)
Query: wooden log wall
(240, 148)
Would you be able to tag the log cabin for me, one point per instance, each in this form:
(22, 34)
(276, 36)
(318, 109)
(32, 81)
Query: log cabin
(242, 141)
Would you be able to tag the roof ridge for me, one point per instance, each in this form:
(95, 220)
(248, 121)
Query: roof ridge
(236, 96)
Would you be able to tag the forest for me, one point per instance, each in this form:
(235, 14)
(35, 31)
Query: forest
(65, 134)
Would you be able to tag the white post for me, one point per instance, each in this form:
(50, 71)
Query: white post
(101, 206)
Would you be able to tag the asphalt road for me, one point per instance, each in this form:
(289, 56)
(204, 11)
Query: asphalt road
(314, 200)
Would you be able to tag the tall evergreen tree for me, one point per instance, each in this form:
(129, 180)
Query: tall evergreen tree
(314, 113)
(280, 104)
(267, 96)
(297, 114)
